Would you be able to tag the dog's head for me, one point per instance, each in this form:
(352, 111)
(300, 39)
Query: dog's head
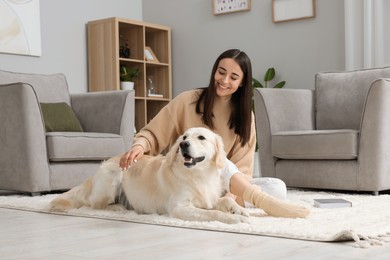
(198, 145)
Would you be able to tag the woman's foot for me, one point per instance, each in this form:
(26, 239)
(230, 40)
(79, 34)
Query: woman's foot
(273, 206)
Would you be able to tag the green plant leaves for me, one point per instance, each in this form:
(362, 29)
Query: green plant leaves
(127, 74)
(256, 83)
(269, 74)
(280, 84)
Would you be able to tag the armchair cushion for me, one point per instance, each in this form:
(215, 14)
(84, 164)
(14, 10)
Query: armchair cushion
(316, 144)
(48, 88)
(83, 146)
(340, 97)
(59, 117)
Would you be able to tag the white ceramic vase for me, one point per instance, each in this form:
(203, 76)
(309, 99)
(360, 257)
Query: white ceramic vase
(127, 85)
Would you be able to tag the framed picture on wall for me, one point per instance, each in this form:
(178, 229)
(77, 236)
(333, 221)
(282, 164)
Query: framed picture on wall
(290, 10)
(230, 6)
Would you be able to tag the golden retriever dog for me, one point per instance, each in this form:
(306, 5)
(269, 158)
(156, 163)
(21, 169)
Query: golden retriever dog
(185, 184)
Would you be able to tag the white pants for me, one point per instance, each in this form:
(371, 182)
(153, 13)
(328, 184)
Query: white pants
(273, 186)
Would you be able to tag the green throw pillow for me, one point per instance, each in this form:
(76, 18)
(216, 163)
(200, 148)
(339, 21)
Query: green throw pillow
(59, 117)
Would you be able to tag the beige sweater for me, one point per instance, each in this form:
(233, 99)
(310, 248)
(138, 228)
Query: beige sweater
(179, 115)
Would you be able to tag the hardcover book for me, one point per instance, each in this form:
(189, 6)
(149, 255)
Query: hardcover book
(332, 203)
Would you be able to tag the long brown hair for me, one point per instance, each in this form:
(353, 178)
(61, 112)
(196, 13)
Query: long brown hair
(241, 101)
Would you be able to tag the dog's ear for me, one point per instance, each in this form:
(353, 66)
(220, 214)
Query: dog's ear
(171, 155)
(219, 152)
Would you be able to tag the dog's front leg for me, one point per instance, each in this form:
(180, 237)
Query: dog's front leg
(229, 205)
(192, 213)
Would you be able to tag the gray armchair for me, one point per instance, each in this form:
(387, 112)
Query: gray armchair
(32, 160)
(334, 137)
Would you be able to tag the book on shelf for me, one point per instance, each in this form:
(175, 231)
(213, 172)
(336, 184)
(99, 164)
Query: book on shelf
(332, 203)
(155, 95)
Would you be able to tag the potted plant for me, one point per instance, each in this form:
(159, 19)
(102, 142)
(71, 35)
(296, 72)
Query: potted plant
(128, 76)
(268, 76)
(124, 50)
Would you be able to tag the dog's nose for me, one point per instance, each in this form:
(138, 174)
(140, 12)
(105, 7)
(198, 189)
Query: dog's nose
(184, 145)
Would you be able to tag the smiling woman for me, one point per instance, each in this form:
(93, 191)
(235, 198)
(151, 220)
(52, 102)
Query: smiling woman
(228, 78)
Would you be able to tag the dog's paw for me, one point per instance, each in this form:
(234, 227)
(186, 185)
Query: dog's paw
(228, 205)
(59, 205)
(234, 219)
(116, 207)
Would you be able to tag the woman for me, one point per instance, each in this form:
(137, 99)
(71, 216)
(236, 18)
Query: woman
(225, 107)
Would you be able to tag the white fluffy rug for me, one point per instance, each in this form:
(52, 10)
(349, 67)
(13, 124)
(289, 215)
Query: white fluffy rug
(367, 222)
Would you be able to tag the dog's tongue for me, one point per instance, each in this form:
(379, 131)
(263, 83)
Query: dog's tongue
(187, 158)
(189, 161)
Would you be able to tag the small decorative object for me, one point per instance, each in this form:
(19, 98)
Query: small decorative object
(128, 76)
(149, 55)
(151, 89)
(229, 6)
(268, 76)
(290, 10)
(124, 50)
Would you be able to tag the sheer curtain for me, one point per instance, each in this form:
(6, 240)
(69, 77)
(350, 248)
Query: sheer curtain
(367, 33)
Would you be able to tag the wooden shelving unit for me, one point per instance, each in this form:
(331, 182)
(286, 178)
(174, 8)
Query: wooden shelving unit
(104, 39)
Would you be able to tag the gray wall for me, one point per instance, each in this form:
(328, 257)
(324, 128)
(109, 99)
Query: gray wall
(297, 49)
(63, 34)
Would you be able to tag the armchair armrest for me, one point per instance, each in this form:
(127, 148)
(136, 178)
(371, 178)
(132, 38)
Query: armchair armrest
(23, 154)
(106, 112)
(374, 145)
(280, 110)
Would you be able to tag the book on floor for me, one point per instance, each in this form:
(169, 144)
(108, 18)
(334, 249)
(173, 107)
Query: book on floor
(332, 203)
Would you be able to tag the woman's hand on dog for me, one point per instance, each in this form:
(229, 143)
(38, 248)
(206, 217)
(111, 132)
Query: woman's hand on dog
(130, 157)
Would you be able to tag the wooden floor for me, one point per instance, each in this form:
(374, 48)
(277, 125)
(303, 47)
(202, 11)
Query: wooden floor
(30, 235)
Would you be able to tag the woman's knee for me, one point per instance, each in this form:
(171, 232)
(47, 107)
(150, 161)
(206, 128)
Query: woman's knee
(272, 186)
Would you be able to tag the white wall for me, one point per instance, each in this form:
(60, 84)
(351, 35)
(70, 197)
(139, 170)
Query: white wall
(64, 45)
(297, 49)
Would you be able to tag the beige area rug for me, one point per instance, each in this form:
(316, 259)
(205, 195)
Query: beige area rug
(367, 222)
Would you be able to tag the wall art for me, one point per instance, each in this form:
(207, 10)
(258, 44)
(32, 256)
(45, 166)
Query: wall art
(229, 6)
(20, 29)
(289, 10)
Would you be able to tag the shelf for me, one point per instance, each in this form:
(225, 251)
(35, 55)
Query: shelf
(105, 58)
